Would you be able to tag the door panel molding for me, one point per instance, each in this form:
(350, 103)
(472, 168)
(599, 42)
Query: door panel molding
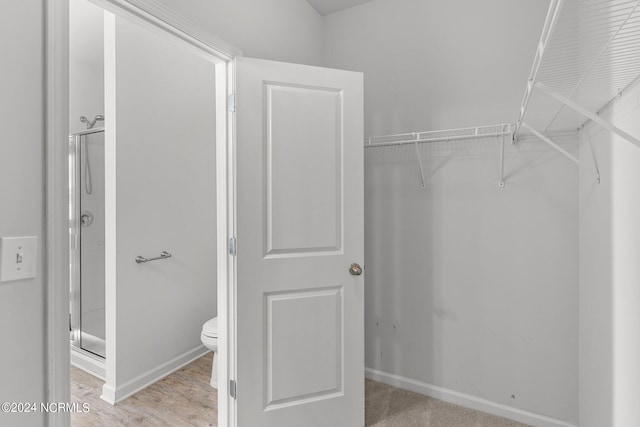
(283, 364)
(309, 220)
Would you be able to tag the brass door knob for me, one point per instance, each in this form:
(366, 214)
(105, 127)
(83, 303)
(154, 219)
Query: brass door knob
(355, 269)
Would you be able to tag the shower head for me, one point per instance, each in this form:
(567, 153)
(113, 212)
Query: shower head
(91, 123)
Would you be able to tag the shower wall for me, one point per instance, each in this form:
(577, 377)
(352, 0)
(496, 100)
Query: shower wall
(86, 63)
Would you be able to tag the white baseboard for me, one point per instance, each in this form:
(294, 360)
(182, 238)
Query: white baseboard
(108, 394)
(87, 363)
(116, 394)
(466, 400)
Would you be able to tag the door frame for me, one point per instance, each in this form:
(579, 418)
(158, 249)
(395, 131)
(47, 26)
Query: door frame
(56, 260)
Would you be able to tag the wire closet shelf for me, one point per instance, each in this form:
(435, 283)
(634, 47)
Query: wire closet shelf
(588, 54)
(449, 135)
(501, 131)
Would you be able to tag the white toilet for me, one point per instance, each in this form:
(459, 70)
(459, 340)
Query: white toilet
(209, 337)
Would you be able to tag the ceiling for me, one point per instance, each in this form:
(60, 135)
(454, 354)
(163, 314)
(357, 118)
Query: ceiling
(327, 7)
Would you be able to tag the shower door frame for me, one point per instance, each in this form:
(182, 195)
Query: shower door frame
(75, 242)
(163, 21)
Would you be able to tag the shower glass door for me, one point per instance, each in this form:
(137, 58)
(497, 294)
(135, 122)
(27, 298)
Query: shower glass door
(86, 215)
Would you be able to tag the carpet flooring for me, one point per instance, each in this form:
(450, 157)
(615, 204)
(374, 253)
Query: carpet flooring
(387, 406)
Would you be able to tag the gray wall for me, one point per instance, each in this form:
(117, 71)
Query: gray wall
(165, 189)
(22, 323)
(596, 294)
(469, 287)
(437, 64)
(472, 287)
(610, 272)
(280, 30)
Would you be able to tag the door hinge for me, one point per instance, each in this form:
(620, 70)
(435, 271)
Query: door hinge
(232, 246)
(231, 102)
(232, 388)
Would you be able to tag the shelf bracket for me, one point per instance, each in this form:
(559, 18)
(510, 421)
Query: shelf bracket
(560, 149)
(415, 144)
(501, 181)
(593, 157)
(593, 117)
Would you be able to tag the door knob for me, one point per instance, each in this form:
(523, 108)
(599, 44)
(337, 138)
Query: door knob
(355, 269)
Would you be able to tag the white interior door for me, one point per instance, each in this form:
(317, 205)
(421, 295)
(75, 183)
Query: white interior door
(300, 311)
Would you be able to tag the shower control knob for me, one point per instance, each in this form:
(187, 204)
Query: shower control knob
(86, 218)
(355, 269)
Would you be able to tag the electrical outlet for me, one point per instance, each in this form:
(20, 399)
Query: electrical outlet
(18, 258)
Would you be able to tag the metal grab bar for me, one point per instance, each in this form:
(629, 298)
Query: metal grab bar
(163, 255)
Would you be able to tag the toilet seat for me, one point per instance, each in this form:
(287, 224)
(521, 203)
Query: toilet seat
(210, 328)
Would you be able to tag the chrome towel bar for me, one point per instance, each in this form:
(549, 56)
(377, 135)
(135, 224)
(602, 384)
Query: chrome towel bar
(163, 255)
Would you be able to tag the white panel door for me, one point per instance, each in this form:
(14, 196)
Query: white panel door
(300, 310)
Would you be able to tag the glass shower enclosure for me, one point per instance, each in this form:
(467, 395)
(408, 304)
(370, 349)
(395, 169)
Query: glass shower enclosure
(87, 239)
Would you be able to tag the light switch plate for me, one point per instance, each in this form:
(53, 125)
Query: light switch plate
(18, 258)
